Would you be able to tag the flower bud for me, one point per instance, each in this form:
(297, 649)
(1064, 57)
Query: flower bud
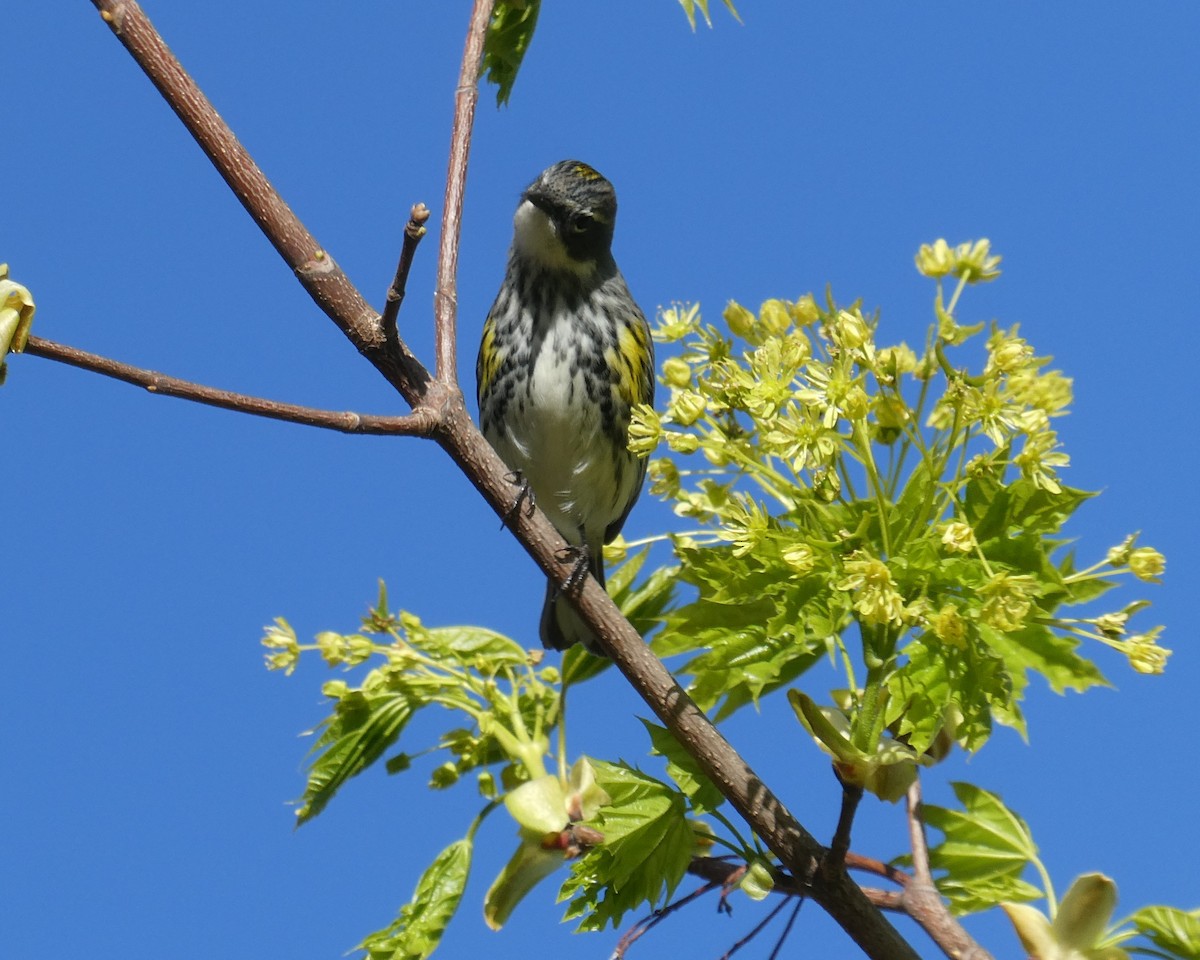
(740, 320)
(677, 372)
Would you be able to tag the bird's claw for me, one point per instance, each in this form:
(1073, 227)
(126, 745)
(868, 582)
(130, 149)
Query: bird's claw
(524, 497)
(579, 558)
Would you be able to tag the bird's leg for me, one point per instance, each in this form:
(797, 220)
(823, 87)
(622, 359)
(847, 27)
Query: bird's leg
(524, 497)
(579, 556)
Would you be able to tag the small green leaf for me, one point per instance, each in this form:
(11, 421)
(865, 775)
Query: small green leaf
(683, 769)
(985, 849)
(486, 650)
(527, 867)
(1043, 651)
(648, 844)
(362, 727)
(418, 928)
(508, 37)
(1170, 929)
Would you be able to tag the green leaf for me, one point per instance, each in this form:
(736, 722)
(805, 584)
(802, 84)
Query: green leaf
(985, 849)
(1170, 929)
(683, 769)
(759, 626)
(1040, 649)
(485, 650)
(362, 727)
(418, 928)
(648, 844)
(526, 868)
(508, 36)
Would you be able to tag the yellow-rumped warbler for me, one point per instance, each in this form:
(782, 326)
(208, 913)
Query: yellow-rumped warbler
(565, 354)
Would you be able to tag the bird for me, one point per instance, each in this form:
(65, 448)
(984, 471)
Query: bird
(566, 354)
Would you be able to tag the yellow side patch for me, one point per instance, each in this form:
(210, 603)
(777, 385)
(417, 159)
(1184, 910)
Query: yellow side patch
(634, 385)
(489, 358)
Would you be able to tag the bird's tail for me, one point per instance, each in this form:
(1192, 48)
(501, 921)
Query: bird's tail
(561, 627)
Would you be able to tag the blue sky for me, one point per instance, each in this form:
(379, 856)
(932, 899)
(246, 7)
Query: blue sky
(149, 755)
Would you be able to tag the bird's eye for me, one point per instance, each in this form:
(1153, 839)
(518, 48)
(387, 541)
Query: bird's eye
(578, 222)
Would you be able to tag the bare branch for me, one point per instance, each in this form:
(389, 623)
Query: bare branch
(921, 900)
(856, 861)
(851, 795)
(916, 834)
(648, 923)
(414, 230)
(758, 928)
(420, 423)
(325, 282)
(724, 872)
(465, 98)
(787, 929)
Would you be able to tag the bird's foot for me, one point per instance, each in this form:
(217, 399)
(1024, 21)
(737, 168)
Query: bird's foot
(524, 497)
(579, 558)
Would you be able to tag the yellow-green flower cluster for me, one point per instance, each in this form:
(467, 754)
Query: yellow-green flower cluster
(875, 596)
(972, 262)
(1008, 598)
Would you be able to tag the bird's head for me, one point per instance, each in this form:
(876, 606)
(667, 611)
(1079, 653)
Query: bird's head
(565, 219)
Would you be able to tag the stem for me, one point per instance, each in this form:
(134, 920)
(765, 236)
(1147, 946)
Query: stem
(962, 285)
(414, 230)
(864, 444)
(466, 96)
(418, 423)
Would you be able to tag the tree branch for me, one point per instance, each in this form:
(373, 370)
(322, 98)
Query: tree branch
(722, 873)
(840, 844)
(419, 423)
(324, 280)
(414, 230)
(445, 299)
(920, 898)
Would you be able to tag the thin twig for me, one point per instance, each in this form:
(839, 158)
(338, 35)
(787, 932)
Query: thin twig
(856, 861)
(465, 98)
(418, 424)
(838, 847)
(786, 929)
(720, 871)
(916, 835)
(758, 928)
(648, 923)
(414, 230)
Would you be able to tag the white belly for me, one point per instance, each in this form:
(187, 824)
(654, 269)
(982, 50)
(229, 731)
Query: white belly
(556, 441)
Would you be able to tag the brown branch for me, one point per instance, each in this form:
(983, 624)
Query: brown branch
(758, 928)
(920, 898)
(414, 230)
(325, 282)
(725, 872)
(796, 849)
(648, 923)
(466, 96)
(856, 861)
(916, 835)
(840, 844)
(419, 423)
(787, 929)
